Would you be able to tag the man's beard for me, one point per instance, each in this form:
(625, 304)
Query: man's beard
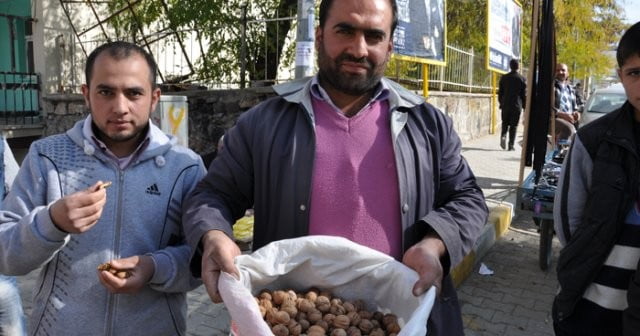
(351, 84)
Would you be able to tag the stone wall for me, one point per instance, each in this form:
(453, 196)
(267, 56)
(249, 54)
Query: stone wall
(212, 112)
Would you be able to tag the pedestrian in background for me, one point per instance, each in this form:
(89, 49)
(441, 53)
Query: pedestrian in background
(597, 216)
(345, 153)
(60, 217)
(565, 102)
(11, 313)
(512, 98)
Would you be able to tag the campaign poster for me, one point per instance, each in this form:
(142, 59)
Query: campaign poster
(420, 34)
(503, 34)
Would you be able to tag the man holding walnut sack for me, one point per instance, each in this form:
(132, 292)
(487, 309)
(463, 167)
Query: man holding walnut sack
(346, 153)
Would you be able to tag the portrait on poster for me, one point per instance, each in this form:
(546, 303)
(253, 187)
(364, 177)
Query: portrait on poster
(504, 34)
(421, 28)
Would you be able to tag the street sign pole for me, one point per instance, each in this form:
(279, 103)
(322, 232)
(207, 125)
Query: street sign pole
(305, 39)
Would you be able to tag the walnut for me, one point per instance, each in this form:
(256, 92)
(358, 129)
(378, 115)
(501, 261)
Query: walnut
(324, 307)
(354, 317)
(294, 327)
(289, 308)
(365, 326)
(328, 318)
(377, 332)
(312, 294)
(280, 330)
(322, 299)
(265, 303)
(122, 274)
(354, 331)
(282, 317)
(364, 314)
(323, 324)
(338, 332)
(305, 305)
(316, 330)
(359, 304)
(265, 294)
(349, 307)
(279, 296)
(392, 327)
(304, 325)
(376, 323)
(378, 316)
(337, 309)
(301, 316)
(388, 319)
(314, 316)
(341, 321)
(336, 301)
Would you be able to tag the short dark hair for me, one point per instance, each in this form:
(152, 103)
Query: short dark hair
(514, 64)
(629, 44)
(120, 50)
(325, 5)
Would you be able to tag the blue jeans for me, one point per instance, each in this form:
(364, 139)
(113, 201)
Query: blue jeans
(11, 314)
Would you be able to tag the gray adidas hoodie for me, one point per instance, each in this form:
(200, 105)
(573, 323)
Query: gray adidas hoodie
(142, 215)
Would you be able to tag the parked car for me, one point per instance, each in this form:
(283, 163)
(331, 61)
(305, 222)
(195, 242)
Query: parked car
(602, 101)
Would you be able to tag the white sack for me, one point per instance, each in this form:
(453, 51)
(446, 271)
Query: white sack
(348, 270)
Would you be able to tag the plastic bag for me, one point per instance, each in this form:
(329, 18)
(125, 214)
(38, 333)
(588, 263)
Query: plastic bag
(348, 270)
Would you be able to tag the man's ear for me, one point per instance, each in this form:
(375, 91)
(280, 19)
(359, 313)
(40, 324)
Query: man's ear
(318, 36)
(619, 72)
(85, 93)
(155, 98)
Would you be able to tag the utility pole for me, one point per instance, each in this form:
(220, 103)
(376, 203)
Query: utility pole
(304, 39)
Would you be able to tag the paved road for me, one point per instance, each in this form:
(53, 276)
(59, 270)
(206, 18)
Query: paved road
(515, 300)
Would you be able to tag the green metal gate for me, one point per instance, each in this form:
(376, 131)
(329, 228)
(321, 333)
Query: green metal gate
(19, 85)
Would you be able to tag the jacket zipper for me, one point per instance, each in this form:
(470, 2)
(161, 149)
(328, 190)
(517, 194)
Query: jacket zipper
(111, 309)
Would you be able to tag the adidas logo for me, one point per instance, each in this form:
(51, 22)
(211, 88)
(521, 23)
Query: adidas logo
(153, 190)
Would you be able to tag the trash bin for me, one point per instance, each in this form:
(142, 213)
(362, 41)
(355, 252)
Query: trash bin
(172, 116)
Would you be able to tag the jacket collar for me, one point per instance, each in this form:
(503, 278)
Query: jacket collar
(158, 143)
(298, 92)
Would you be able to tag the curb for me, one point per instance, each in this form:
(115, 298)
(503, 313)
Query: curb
(498, 222)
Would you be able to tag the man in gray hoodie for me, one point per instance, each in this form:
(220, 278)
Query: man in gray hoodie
(60, 216)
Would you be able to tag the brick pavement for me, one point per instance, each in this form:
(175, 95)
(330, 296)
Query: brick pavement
(515, 300)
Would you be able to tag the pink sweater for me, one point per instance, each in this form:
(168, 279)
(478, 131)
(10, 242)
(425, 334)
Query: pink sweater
(355, 184)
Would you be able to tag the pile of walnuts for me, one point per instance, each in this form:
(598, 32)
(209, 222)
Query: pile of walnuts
(319, 313)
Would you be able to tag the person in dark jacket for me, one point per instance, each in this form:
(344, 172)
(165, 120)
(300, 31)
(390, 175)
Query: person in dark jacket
(511, 96)
(597, 216)
(345, 153)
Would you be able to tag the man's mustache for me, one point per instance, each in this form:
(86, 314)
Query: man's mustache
(350, 58)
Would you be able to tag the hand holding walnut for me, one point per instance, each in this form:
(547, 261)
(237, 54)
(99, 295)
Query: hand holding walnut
(131, 274)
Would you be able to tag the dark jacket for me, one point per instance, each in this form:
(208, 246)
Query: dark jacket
(512, 91)
(590, 222)
(268, 161)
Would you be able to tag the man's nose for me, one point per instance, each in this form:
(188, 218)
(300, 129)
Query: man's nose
(121, 104)
(359, 47)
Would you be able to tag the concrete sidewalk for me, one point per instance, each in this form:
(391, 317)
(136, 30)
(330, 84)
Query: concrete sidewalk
(497, 173)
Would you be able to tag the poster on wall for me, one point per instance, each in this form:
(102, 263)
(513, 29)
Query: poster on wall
(420, 34)
(504, 34)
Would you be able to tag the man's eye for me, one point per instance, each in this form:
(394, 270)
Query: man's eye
(375, 37)
(135, 93)
(634, 73)
(104, 92)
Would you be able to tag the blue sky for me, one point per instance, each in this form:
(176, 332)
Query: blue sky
(631, 9)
